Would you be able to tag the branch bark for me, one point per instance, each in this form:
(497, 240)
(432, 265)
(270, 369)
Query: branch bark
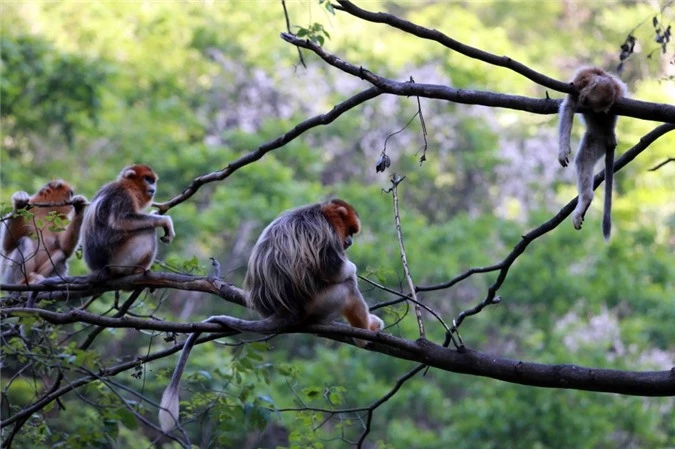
(465, 361)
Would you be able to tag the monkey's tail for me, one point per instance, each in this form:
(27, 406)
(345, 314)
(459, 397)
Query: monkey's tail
(168, 408)
(609, 181)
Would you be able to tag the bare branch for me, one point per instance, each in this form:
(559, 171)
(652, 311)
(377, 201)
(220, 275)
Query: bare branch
(395, 181)
(399, 383)
(667, 161)
(627, 107)
(322, 119)
(466, 50)
(519, 249)
(69, 287)
(466, 361)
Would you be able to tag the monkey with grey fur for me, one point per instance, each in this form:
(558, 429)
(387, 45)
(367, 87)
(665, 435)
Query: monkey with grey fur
(597, 90)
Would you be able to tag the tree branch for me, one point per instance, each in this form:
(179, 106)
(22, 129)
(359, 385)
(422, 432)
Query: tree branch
(627, 107)
(466, 361)
(322, 119)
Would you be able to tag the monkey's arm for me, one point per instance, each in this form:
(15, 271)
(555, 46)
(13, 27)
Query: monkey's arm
(18, 263)
(567, 108)
(14, 227)
(356, 312)
(137, 222)
(71, 235)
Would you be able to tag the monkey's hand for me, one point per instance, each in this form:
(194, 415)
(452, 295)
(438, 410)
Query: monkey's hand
(79, 202)
(169, 234)
(20, 200)
(375, 324)
(564, 156)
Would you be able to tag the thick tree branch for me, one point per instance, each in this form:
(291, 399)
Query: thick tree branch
(78, 286)
(466, 50)
(627, 107)
(466, 361)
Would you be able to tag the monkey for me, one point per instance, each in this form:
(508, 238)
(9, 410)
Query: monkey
(118, 238)
(297, 272)
(597, 90)
(298, 268)
(33, 245)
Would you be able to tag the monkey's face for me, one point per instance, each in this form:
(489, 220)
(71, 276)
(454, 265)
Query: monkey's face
(344, 219)
(351, 229)
(150, 186)
(142, 181)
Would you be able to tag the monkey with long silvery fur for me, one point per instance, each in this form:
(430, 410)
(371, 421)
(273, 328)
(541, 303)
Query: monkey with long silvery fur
(596, 90)
(298, 272)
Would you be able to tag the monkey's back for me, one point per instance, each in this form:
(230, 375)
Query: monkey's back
(295, 257)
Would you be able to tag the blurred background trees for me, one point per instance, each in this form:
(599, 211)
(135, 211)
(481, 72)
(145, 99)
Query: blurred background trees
(88, 88)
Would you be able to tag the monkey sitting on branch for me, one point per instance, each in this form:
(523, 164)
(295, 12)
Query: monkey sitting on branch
(298, 272)
(596, 90)
(35, 245)
(119, 239)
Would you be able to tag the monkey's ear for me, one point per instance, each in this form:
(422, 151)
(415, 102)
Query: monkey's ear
(128, 173)
(342, 211)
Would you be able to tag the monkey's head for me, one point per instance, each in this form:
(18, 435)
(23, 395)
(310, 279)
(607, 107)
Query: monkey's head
(57, 191)
(141, 181)
(600, 96)
(53, 192)
(598, 89)
(344, 219)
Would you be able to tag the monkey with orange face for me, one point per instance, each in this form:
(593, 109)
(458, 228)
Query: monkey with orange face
(34, 247)
(597, 90)
(119, 238)
(298, 272)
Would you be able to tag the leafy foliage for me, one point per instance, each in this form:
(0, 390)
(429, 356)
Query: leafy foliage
(190, 88)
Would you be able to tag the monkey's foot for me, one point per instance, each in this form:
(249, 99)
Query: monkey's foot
(577, 220)
(564, 157)
(35, 278)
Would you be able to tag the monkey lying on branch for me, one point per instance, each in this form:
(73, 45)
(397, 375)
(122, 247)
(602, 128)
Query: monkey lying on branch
(597, 90)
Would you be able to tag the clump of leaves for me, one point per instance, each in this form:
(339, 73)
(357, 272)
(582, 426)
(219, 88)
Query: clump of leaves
(316, 33)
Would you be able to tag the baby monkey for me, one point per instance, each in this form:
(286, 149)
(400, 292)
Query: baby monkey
(596, 90)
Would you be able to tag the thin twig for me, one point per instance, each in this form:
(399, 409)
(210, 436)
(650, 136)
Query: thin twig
(288, 28)
(385, 398)
(667, 161)
(395, 181)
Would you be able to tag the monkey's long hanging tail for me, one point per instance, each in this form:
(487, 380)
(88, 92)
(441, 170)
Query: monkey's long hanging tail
(168, 408)
(609, 181)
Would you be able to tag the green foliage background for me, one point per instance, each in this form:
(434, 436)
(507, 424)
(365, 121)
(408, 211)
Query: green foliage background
(88, 88)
